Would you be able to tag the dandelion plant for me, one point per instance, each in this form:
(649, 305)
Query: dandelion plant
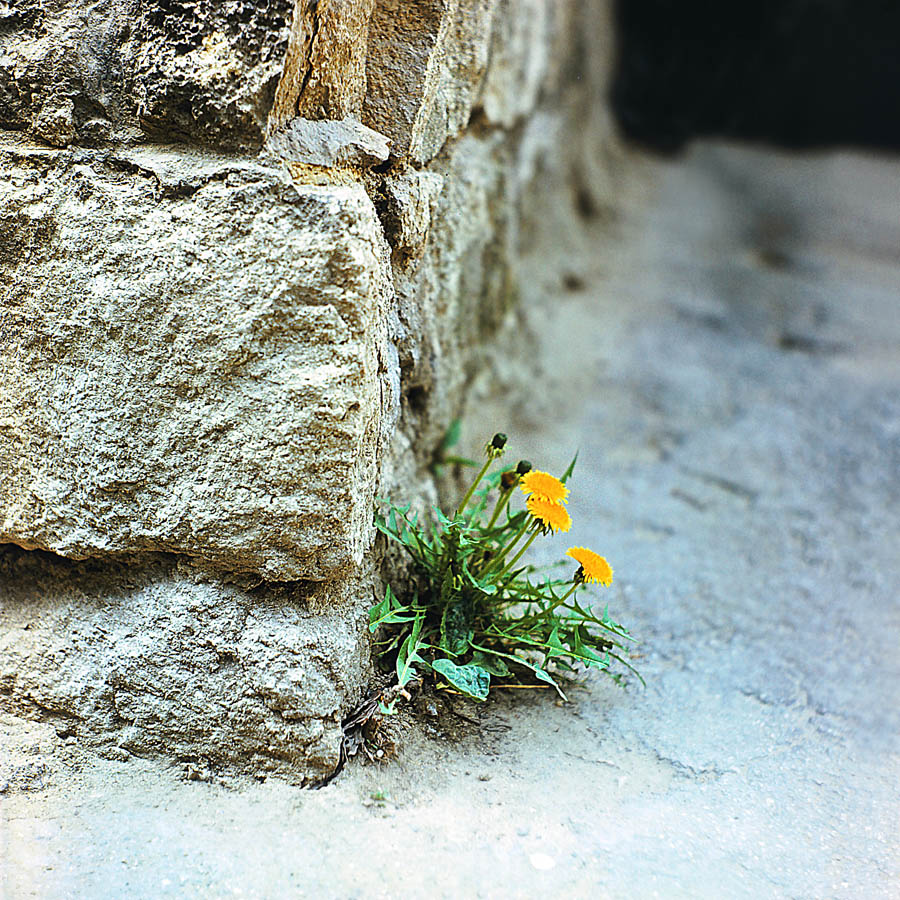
(478, 614)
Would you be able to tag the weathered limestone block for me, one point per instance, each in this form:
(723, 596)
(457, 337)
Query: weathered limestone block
(59, 68)
(324, 74)
(147, 657)
(191, 360)
(424, 67)
(204, 71)
(214, 83)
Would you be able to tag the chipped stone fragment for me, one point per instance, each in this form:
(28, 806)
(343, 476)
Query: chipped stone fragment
(344, 143)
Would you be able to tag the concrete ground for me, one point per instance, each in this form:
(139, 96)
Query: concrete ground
(726, 355)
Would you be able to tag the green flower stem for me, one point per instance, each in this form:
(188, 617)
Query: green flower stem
(566, 596)
(502, 555)
(475, 483)
(502, 501)
(518, 556)
(527, 620)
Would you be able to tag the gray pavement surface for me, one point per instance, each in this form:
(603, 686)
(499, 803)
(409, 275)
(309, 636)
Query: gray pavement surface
(726, 355)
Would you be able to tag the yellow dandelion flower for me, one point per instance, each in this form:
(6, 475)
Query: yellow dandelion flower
(550, 515)
(593, 566)
(544, 486)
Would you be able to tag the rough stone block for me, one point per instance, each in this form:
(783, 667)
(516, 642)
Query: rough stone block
(148, 657)
(203, 71)
(190, 361)
(424, 66)
(324, 74)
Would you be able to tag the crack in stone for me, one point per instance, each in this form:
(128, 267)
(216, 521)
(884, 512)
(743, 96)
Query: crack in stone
(314, 33)
(596, 762)
(690, 772)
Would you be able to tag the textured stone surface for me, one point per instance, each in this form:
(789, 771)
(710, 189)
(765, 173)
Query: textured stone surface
(468, 272)
(148, 656)
(408, 209)
(60, 72)
(324, 74)
(424, 67)
(521, 54)
(204, 71)
(220, 74)
(190, 362)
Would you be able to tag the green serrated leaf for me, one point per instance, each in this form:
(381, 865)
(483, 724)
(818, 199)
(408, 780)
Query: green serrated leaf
(543, 675)
(447, 587)
(606, 623)
(447, 523)
(467, 573)
(389, 612)
(472, 680)
(383, 608)
(460, 461)
(628, 665)
(539, 673)
(391, 644)
(554, 645)
(581, 644)
(405, 659)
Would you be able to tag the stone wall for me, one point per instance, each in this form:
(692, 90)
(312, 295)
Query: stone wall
(252, 257)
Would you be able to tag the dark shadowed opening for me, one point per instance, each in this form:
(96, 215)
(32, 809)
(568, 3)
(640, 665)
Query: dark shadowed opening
(800, 73)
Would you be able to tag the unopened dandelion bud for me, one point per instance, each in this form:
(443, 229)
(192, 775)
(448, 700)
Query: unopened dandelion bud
(523, 467)
(494, 450)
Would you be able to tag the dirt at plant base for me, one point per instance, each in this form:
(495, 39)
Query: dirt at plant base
(725, 357)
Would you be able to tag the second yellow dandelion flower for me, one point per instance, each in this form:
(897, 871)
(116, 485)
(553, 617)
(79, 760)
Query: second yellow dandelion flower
(544, 486)
(551, 515)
